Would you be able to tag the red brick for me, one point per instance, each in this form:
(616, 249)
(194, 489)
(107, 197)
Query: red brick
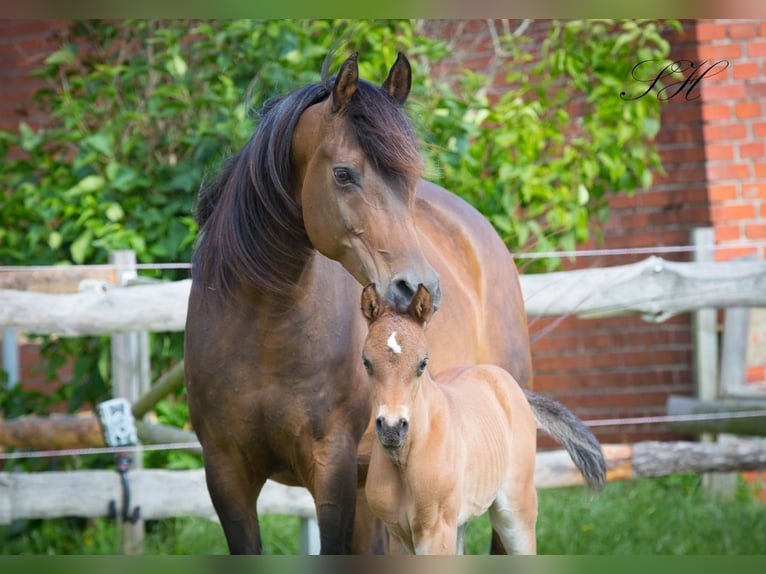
(719, 152)
(729, 253)
(745, 70)
(683, 155)
(755, 374)
(756, 90)
(759, 130)
(733, 212)
(712, 112)
(742, 30)
(728, 171)
(710, 31)
(755, 231)
(720, 52)
(717, 133)
(760, 170)
(719, 92)
(752, 150)
(756, 49)
(747, 110)
(725, 233)
(754, 191)
(722, 192)
(763, 211)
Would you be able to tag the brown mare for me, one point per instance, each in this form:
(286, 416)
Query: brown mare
(326, 196)
(452, 447)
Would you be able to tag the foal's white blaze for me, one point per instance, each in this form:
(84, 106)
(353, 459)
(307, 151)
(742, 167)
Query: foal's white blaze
(392, 344)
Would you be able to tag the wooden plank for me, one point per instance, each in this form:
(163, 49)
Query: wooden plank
(165, 493)
(655, 288)
(54, 279)
(654, 458)
(159, 493)
(748, 426)
(154, 308)
(79, 431)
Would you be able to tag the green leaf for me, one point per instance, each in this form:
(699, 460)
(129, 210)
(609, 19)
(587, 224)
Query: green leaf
(88, 184)
(63, 56)
(177, 66)
(80, 246)
(99, 143)
(55, 239)
(114, 212)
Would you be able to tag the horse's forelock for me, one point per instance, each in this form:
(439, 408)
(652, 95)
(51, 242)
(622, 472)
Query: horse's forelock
(251, 230)
(385, 134)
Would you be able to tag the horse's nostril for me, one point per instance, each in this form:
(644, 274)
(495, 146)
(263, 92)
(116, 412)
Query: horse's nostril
(379, 424)
(404, 289)
(403, 425)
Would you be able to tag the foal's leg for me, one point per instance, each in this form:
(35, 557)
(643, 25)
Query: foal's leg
(234, 497)
(442, 539)
(513, 516)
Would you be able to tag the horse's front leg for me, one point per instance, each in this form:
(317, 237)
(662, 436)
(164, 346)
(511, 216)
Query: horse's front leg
(234, 498)
(334, 490)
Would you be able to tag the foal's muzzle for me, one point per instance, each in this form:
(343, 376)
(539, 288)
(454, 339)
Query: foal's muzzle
(391, 437)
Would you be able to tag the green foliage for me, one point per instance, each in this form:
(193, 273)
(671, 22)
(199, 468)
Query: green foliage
(539, 158)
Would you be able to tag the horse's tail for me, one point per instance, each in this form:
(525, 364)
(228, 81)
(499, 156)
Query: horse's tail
(562, 424)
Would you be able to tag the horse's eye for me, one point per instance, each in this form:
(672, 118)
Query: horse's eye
(367, 365)
(422, 366)
(343, 176)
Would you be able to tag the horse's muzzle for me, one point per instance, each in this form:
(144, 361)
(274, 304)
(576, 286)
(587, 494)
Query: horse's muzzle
(403, 287)
(391, 437)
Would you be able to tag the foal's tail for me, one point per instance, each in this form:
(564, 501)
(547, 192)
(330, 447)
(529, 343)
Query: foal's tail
(562, 424)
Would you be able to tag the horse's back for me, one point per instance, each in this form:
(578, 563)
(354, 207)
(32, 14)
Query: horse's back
(482, 317)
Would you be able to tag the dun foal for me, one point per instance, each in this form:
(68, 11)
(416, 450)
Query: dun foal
(452, 447)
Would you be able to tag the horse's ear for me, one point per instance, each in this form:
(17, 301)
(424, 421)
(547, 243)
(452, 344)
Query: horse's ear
(399, 80)
(422, 305)
(371, 304)
(345, 83)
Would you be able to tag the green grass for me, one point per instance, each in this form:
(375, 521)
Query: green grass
(672, 515)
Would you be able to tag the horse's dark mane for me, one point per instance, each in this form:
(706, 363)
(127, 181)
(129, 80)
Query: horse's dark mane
(251, 227)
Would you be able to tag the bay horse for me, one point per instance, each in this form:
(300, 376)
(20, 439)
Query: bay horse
(452, 447)
(327, 196)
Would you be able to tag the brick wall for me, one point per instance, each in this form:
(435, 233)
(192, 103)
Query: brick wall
(734, 113)
(24, 45)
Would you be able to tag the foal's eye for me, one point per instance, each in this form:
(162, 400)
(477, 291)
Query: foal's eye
(367, 365)
(422, 366)
(343, 176)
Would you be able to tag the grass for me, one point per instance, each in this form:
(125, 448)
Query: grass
(672, 515)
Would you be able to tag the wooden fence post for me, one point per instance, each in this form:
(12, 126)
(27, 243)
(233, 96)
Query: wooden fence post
(11, 357)
(130, 379)
(704, 333)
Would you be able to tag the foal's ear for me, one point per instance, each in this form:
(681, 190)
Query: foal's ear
(422, 305)
(345, 83)
(399, 80)
(371, 304)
